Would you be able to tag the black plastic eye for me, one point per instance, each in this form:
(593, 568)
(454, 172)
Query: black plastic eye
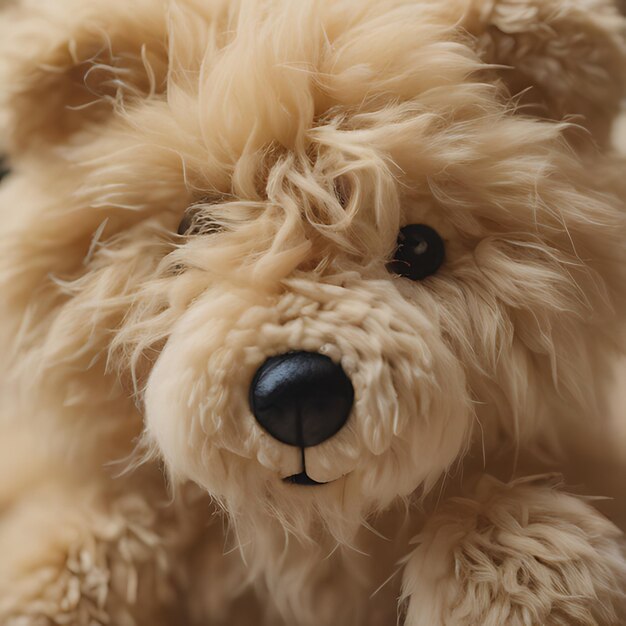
(196, 222)
(185, 224)
(419, 254)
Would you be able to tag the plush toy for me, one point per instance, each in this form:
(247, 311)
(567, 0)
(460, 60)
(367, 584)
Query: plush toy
(308, 313)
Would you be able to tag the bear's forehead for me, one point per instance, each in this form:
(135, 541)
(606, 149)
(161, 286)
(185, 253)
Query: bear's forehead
(302, 75)
(215, 81)
(261, 75)
(218, 96)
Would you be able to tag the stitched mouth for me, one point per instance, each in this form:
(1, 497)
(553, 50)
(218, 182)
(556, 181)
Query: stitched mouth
(301, 479)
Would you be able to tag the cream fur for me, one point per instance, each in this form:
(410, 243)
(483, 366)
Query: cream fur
(299, 137)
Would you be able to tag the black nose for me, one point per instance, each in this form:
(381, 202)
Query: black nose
(301, 398)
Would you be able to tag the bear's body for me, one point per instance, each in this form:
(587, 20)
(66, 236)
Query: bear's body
(412, 211)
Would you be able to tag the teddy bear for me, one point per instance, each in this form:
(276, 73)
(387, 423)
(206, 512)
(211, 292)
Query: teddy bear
(309, 313)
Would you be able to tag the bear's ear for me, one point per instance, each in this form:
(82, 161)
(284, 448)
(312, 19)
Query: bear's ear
(562, 58)
(66, 63)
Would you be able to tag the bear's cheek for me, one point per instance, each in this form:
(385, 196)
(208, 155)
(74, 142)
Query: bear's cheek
(196, 399)
(396, 441)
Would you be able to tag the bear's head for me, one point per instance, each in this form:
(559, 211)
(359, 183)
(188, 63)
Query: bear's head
(312, 250)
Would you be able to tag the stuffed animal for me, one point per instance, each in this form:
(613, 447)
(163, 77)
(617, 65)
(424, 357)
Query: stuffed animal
(308, 313)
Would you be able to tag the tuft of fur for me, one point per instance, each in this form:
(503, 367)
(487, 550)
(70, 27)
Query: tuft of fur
(516, 554)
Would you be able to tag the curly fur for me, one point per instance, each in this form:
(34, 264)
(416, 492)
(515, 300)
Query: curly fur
(297, 138)
(472, 565)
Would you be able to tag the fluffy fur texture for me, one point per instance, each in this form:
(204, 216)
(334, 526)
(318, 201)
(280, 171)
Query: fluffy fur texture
(297, 138)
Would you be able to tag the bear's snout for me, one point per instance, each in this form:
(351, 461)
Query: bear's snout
(301, 398)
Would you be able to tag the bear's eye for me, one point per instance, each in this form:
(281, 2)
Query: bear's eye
(185, 225)
(4, 168)
(196, 223)
(419, 254)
